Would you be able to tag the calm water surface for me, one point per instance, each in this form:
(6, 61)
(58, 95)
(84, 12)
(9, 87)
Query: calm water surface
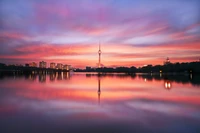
(88, 102)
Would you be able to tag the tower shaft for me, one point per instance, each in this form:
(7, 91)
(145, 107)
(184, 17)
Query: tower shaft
(99, 60)
(99, 63)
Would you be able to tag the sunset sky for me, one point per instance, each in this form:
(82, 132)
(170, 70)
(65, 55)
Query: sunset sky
(131, 32)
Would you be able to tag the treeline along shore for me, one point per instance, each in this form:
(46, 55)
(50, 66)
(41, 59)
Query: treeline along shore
(191, 67)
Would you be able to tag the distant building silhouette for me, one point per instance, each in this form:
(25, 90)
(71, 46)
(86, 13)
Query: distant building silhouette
(27, 65)
(59, 66)
(167, 62)
(66, 67)
(88, 68)
(53, 65)
(42, 64)
(33, 64)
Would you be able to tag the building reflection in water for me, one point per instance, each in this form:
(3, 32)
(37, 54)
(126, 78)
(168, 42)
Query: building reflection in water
(52, 76)
(60, 76)
(168, 84)
(66, 75)
(99, 89)
(33, 77)
(42, 77)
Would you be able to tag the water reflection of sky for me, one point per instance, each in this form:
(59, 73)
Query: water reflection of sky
(104, 103)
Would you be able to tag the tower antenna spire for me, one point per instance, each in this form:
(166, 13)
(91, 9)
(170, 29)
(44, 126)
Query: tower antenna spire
(99, 45)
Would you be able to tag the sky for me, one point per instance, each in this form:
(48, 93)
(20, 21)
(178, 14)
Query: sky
(131, 32)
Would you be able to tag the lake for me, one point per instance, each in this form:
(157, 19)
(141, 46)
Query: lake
(92, 102)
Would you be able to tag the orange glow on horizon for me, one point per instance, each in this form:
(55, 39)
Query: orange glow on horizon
(112, 55)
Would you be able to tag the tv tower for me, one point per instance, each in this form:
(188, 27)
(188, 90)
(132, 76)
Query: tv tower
(99, 52)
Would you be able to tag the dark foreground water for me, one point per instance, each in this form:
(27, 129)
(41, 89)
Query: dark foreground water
(113, 103)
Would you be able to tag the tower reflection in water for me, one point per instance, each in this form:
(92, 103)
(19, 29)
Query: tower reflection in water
(99, 89)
